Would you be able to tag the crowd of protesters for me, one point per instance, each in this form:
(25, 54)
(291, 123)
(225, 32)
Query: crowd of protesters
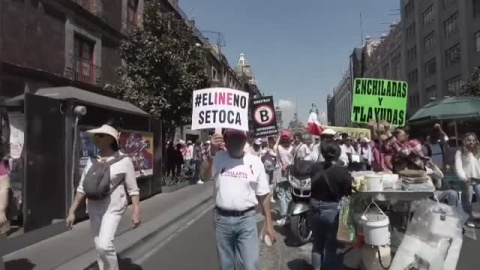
(186, 159)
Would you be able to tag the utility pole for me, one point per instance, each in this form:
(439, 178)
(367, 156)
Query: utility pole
(361, 29)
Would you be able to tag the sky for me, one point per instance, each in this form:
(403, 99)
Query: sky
(298, 50)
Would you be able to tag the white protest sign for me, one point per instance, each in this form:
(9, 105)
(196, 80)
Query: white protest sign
(220, 108)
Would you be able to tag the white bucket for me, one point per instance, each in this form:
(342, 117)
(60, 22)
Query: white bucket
(375, 229)
(389, 180)
(374, 182)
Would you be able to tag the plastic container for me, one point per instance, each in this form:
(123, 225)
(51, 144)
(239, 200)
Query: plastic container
(389, 180)
(374, 182)
(376, 229)
(444, 226)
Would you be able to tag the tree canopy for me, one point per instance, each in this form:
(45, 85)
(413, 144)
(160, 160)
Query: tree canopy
(164, 64)
(472, 85)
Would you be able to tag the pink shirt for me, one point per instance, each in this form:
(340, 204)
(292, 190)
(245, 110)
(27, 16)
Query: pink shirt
(3, 170)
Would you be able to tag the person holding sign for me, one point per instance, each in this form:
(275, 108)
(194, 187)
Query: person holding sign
(240, 184)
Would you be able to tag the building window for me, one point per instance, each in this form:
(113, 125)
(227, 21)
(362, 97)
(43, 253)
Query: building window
(412, 53)
(386, 71)
(132, 13)
(476, 8)
(428, 16)
(412, 77)
(397, 67)
(452, 56)
(411, 32)
(429, 42)
(398, 38)
(409, 7)
(451, 26)
(431, 91)
(430, 68)
(454, 85)
(83, 60)
(214, 74)
(477, 41)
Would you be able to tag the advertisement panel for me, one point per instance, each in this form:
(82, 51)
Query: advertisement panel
(138, 146)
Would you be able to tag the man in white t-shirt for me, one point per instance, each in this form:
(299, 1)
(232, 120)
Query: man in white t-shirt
(284, 151)
(240, 185)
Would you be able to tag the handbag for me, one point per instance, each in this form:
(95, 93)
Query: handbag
(346, 226)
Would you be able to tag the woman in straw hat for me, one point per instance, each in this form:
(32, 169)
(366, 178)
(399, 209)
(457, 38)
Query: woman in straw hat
(105, 214)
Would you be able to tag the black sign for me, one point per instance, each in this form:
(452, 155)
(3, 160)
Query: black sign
(263, 115)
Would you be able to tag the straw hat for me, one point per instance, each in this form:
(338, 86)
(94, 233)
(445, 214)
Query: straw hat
(105, 129)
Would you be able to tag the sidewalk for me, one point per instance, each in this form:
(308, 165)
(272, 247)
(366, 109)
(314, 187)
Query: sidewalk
(75, 250)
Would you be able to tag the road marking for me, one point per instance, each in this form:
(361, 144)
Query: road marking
(157, 248)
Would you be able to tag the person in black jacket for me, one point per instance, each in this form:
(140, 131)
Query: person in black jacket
(330, 182)
(179, 161)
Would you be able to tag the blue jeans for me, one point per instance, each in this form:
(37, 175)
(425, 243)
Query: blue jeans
(284, 196)
(468, 196)
(324, 229)
(237, 235)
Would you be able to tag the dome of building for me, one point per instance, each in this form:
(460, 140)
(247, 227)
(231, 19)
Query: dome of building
(243, 68)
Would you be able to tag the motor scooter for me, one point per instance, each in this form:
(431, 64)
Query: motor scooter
(299, 210)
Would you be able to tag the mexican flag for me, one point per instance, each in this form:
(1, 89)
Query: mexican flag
(313, 125)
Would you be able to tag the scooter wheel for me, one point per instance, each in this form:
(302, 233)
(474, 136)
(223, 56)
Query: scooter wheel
(301, 229)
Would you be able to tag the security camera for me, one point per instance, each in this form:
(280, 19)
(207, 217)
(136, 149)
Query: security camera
(80, 111)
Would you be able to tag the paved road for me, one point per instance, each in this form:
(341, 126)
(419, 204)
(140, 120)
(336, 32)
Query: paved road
(194, 248)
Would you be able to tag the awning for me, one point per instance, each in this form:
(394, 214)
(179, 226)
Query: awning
(448, 109)
(69, 92)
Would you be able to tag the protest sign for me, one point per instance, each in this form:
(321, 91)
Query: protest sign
(264, 120)
(355, 133)
(379, 99)
(220, 108)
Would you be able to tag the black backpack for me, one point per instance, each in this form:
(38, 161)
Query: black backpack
(96, 184)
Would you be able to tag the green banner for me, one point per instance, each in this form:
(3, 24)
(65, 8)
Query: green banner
(379, 99)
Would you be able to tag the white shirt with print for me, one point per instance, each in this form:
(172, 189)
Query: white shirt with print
(238, 181)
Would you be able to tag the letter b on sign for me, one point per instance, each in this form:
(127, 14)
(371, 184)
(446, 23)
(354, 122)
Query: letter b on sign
(264, 115)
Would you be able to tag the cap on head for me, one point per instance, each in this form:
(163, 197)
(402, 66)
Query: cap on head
(365, 139)
(286, 134)
(329, 131)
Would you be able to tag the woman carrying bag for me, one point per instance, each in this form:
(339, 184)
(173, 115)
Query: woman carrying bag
(113, 172)
(330, 183)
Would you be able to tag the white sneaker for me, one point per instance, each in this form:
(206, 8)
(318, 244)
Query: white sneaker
(281, 222)
(272, 200)
(199, 182)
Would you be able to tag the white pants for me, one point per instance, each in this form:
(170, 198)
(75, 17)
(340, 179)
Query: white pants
(104, 226)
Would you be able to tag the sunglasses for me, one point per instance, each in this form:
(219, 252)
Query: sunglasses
(99, 135)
